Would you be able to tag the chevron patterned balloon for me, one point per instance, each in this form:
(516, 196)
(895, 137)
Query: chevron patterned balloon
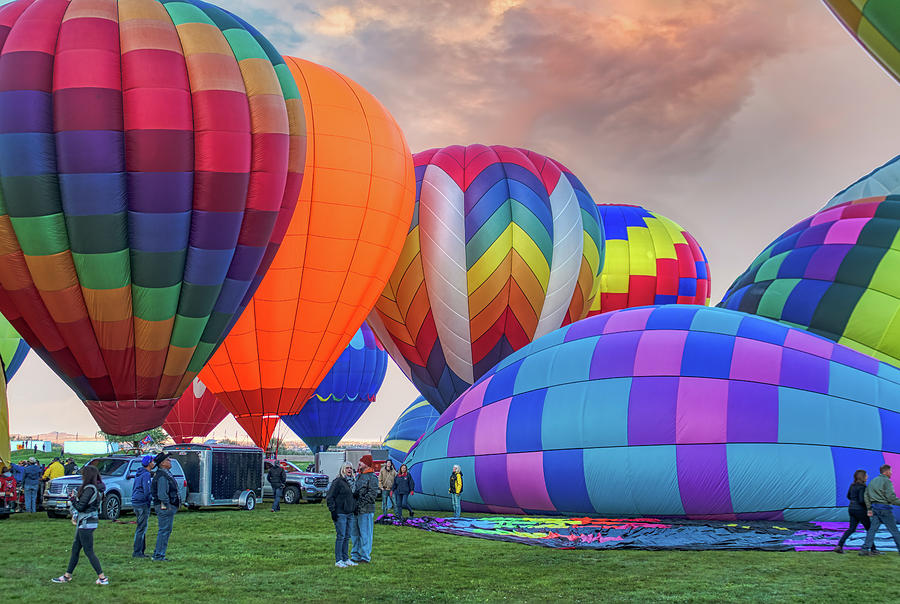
(505, 245)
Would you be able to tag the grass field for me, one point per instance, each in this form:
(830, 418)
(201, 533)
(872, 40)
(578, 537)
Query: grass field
(238, 556)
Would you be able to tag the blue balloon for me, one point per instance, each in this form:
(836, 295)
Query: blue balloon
(415, 421)
(344, 394)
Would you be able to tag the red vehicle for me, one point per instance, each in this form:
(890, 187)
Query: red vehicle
(9, 496)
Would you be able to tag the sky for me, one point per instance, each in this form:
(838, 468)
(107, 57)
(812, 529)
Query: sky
(735, 119)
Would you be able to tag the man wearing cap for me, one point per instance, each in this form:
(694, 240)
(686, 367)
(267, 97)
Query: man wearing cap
(362, 525)
(70, 468)
(31, 480)
(164, 490)
(141, 500)
(54, 470)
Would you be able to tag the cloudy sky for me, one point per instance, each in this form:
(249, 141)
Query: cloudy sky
(734, 118)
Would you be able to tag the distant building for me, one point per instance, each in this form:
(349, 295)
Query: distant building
(42, 445)
(89, 447)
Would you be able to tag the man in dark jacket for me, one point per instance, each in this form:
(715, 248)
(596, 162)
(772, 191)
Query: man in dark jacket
(70, 467)
(880, 499)
(363, 524)
(166, 499)
(31, 480)
(141, 499)
(277, 478)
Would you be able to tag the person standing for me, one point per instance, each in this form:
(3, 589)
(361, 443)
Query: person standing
(386, 484)
(879, 498)
(85, 515)
(54, 470)
(70, 468)
(31, 480)
(362, 525)
(857, 508)
(141, 499)
(166, 500)
(404, 486)
(342, 506)
(456, 487)
(277, 478)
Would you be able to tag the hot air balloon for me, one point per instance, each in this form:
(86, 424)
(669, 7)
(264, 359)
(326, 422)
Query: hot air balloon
(835, 274)
(147, 149)
(195, 414)
(883, 180)
(344, 395)
(675, 410)
(502, 250)
(346, 234)
(876, 26)
(415, 420)
(649, 260)
(13, 348)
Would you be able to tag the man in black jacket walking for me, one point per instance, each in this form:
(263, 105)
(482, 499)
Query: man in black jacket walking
(277, 478)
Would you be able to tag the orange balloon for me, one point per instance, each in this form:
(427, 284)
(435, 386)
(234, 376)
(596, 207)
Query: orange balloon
(351, 220)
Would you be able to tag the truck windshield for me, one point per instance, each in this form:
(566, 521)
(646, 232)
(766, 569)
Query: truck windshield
(289, 467)
(110, 467)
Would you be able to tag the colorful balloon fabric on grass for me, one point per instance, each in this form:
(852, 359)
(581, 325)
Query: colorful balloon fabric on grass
(147, 149)
(352, 216)
(876, 26)
(415, 420)
(13, 348)
(344, 395)
(505, 245)
(195, 415)
(836, 274)
(649, 260)
(673, 410)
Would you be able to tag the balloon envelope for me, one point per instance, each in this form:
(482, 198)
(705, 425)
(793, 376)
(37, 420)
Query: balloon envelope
(876, 26)
(673, 410)
(415, 420)
(883, 180)
(195, 414)
(344, 395)
(502, 249)
(147, 152)
(835, 274)
(649, 259)
(344, 238)
(13, 348)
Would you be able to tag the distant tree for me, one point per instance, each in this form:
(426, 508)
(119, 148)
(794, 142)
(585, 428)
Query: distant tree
(158, 435)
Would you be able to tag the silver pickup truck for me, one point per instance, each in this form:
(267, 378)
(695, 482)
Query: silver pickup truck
(300, 485)
(117, 473)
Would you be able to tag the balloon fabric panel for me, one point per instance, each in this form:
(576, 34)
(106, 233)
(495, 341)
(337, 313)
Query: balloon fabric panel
(876, 26)
(415, 420)
(834, 274)
(344, 395)
(139, 193)
(674, 410)
(502, 249)
(195, 414)
(345, 235)
(13, 348)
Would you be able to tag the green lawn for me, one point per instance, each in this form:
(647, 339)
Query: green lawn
(236, 556)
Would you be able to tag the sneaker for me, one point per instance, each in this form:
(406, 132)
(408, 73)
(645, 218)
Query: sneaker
(839, 550)
(139, 556)
(350, 563)
(61, 579)
(340, 564)
(103, 581)
(364, 561)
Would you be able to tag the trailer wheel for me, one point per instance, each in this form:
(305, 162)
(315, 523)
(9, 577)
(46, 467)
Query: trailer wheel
(251, 502)
(292, 495)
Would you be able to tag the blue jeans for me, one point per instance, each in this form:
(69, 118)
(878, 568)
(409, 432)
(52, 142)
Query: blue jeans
(387, 501)
(454, 499)
(31, 498)
(165, 518)
(885, 517)
(142, 512)
(276, 502)
(402, 501)
(342, 537)
(361, 528)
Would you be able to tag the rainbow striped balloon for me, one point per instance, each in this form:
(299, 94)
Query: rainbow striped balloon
(501, 250)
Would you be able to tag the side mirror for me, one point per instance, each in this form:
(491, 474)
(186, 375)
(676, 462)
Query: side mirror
(130, 476)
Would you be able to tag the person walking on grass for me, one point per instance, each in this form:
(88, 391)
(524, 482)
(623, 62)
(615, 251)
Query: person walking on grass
(166, 498)
(31, 481)
(362, 526)
(404, 486)
(342, 506)
(879, 498)
(857, 508)
(386, 484)
(456, 487)
(141, 499)
(85, 515)
(277, 478)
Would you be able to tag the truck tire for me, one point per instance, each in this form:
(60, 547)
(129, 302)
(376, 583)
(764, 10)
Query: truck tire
(111, 508)
(292, 495)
